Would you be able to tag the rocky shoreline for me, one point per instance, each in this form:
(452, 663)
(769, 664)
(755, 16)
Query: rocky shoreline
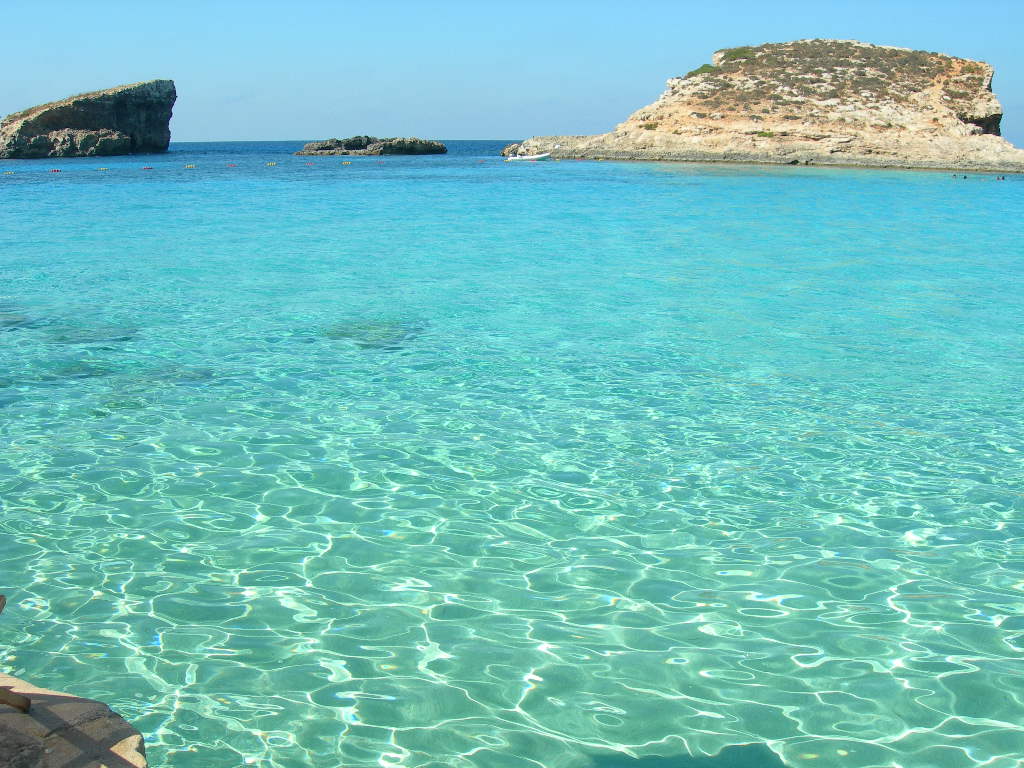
(813, 102)
(562, 148)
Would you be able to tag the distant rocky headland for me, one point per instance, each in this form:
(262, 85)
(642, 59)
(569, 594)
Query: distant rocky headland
(371, 145)
(828, 102)
(125, 120)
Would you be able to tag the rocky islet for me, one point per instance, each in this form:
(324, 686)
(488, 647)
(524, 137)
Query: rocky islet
(827, 102)
(124, 120)
(371, 145)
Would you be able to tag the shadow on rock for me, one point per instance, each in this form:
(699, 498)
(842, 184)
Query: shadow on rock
(12, 318)
(12, 321)
(75, 369)
(58, 371)
(96, 334)
(374, 334)
(739, 756)
(184, 375)
(64, 731)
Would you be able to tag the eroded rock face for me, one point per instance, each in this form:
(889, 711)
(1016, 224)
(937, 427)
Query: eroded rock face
(371, 145)
(126, 120)
(834, 102)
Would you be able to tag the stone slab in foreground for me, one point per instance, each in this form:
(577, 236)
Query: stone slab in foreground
(60, 731)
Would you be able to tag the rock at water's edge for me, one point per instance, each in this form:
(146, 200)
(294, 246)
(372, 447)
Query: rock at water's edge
(61, 730)
(371, 145)
(820, 102)
(125, 120)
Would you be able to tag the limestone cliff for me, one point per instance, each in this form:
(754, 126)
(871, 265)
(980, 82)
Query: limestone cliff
(371, 145)
(835, 102)
(125, 120)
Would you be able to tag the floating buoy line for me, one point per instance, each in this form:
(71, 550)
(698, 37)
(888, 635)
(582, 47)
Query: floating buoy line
(193, 166)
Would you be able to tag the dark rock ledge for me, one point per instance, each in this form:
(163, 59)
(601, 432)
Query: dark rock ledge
(371, 145)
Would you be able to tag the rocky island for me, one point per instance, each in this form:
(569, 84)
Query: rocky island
(828, 102)
(124, 120)
(371, 145)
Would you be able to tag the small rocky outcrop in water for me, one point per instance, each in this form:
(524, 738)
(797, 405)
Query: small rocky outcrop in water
(829, 102)
(126, 120)
(371, 145)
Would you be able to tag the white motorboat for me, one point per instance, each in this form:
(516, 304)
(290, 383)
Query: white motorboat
(533, 158)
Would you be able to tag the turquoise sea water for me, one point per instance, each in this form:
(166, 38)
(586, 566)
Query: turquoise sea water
(446, 461)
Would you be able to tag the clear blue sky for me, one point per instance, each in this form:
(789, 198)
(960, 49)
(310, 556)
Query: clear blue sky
(448, 68)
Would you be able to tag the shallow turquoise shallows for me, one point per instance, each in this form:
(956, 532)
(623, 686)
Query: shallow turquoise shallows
(451, 462)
